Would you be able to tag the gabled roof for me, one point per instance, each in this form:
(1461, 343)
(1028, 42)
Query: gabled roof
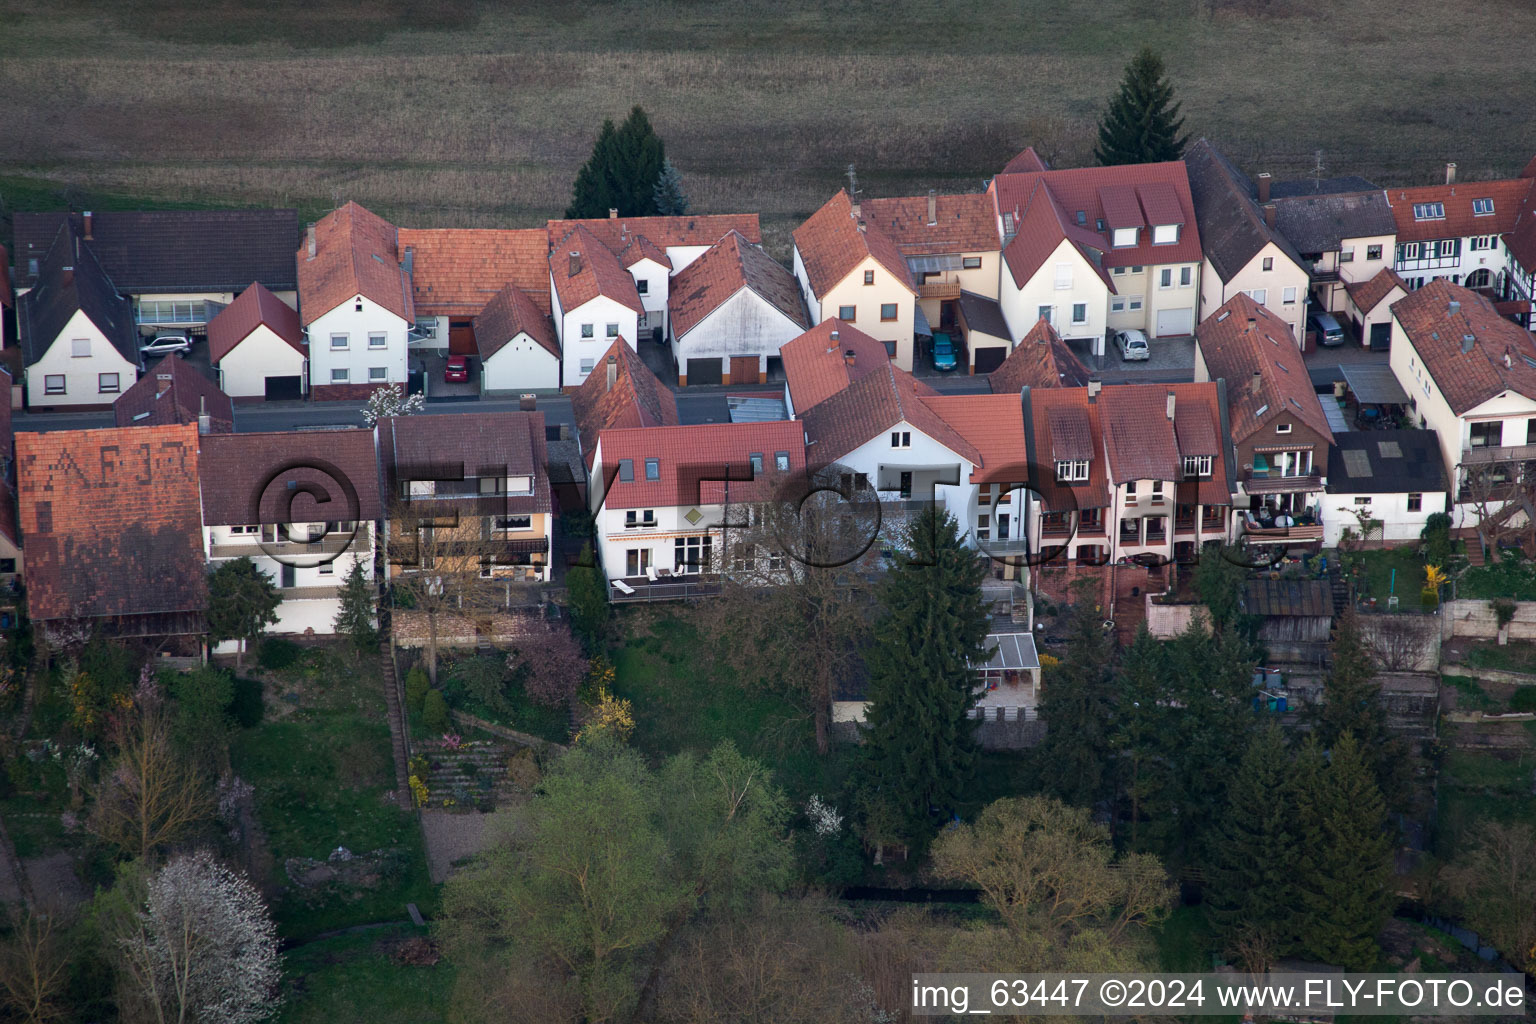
(640, 249)
(1459, 221)
(456, 271)
(484, 444)
(1143, 443)
(511, 312)
(329, 475)
(1040, 360)
(110, 522)
(818, 366)
(1040, 227)
(70, 280)
(10, 529)
(994, 425)
(728, 266)
(1318, 224)
(1232, 226)
(962, 223)
(254, 307)
(702, 464)
(980, 313)
(869, 407)
(173, 391)
(832, 243)
(598, 272)
(1521, 239)
(1367, 295)
(1026, 161)
(1243, 338)
(689, 230)
(1129, 195)
(356, 253)
(1385, 462)
(1301, 187)
(1468, 378)
(1059, 421)
(637, 398)
(146, 251)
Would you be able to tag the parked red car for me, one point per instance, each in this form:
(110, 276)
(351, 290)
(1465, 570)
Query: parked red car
(457, 369)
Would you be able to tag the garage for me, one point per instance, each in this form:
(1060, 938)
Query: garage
(1175, 321)
(990, 358)
(704, 371)
(284, 389)
(461, 338)
(1381, 337)
(743, 369)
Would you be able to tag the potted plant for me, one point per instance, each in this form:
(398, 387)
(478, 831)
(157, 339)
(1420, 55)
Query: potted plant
(1504, 611)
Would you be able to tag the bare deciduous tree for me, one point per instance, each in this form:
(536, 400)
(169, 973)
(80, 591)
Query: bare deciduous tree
(554, 663)
(1399, 642)
(1498, 492)
(34, 966)
(1495, 881)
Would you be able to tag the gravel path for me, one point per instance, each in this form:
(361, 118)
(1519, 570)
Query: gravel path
(453, 837)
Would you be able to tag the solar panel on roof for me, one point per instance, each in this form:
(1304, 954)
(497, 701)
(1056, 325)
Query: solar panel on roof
(1356, 463)
(1390, 449)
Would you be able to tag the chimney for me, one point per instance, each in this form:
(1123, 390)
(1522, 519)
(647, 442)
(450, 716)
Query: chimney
(1454, 307)
(613, 371)
(575, 265)
(1264, 187)
(933, 207)
(848, 357)
(1507, 360)
(204, 421)
(613, 213)
(409, 261)
(1269, 216)
(1255, 383)
(1450, 173)
(1171, 398)
(1467, 341)
(834, 335)
(854, 210)
(86, 217)
(309, 234)
(1252, 323)
(1094, 386)
(162, 383)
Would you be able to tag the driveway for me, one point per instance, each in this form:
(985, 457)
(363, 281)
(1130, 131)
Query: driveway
(198, 358)
(432, 366)
(1171, 360)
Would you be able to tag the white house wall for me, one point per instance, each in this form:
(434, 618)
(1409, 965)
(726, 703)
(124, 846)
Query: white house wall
(357, 358)
(599, 312)
(1282, 275)
(744, 325)
(81, 374)
(244, 371)
(866, 299)
(654, 298)
(522, 364)
(1021, 306)
(1399, 524)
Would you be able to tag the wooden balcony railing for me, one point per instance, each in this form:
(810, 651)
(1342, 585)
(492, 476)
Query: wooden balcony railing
(1508, 453)
(939, 290)
(1283, 534)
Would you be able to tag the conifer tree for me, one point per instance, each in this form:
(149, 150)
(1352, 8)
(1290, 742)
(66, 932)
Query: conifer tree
(355, 617)
(622, 172)
(1140, 731)
(596, 191)
(933, 628)
(1078, 710)
(242, 603)
(1142, 122)
(1252, 890)
(1345, 859)
(669, 197)
(1352, 704)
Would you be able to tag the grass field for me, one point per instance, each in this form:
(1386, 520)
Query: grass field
(474, 114)
(353, 979)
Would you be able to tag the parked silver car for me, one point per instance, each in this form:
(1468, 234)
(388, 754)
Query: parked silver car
(165, 344)
(1133, 345)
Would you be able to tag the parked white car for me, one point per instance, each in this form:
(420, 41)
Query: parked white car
(164, 344)
(1132, 344)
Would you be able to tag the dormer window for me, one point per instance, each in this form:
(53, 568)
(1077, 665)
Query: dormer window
(1198, 467)
(1071, 470)
(1482, 207)
(1165, 234)
(1125, 238)
(1431, 211)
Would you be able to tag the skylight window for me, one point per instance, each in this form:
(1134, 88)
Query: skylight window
(1432, 211)
(1082, 218)
(1261, 410)
(1224, 314)
(1482, 207)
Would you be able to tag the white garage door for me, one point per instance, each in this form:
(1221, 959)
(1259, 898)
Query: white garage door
(1175, 321)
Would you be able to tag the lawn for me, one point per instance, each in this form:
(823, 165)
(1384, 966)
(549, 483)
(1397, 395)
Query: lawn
(1185, 942)
(474, 114)
(322, 772)
(1380, 581)
(1516, 656)
(1483, 785)
(1510, 577)
(355, 979)
(522, 714)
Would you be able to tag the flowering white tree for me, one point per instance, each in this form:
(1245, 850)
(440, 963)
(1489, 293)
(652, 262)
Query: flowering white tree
(203, 950)
(390, 401)
(824, 818)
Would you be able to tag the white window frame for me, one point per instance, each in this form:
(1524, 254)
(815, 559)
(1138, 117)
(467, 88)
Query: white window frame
(341, 342)
(1117, 304)
(378, 373)
(340, 375)
(1165, 279)
(1482, 207)
(75, 346)
(1288, 296)
(587, 330)
(1126, 238)
(1134, 302)
(1347, 255)
(1063, 276)
(1198, 466)
(1165, 234)
(377, 340)
(1186, 276)
(587, 365)
(1079, 317)
(1429, 211)
(1259, 295)
(901, 439)
(1282, 428)
(1071, 470)
(610, 330)
(1046, 313)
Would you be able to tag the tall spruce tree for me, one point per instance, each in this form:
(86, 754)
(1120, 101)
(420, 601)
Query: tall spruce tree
(1141, 732)
(622, 172)
(1345, 859)
(596, 190)
(1142, 122)
(354, 618)
(669, 197)
(1352, 704)
(1252, 892)
(1078, 710)
(933, 628)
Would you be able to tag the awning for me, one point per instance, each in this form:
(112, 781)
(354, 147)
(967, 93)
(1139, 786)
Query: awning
(1015, 652)
(755, 409)
(1333, 414)
(920, 321)
(933, 264)
(1374, 384)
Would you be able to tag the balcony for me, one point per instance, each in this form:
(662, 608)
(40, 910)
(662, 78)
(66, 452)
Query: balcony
(308, 593)
(896, 501)
(939, 290)
(330, 544)
(1274, 483)
(154, 313)
(1483, 456)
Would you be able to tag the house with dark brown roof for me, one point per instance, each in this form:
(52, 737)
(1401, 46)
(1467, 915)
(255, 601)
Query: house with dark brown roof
(177, 267)
(1346, 235)
(595, 301)
(1395, 477)
(259, 348)
(112, 528)
(622, 394)
(1281, 435)
(303, 505)
(516, 343)
(470, 493)
(79, 347)
(984, 334)
(1470, 375)
(173, 391)
(850, 268)
(356, 304)
(1041, 360)
(731, 310)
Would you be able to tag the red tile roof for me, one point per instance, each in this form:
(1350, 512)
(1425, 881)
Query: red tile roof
(963, 223)
(1367, 295)
(1521, 239)
(1235, 351)
(816, 365)
(173, 391)
(1144, 444)
(1059, 421)
(701, 464)
(1040, 360)
(509, 313)
(456, 271)
(1129, 194)
(642, 248)
(667, 232)
(1467, 379)
(832, 243)
(245, 477)
(868, 408)
(728, 266)
(598, 272)
(1459, 220)
(254, 307)
(637, 398)
(1026, 161)
(994, 425)
(355, 254)
(1042, 227)
(111, 522)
